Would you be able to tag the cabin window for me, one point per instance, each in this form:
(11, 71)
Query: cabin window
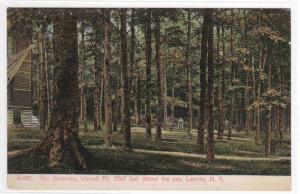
(17, 116)
(10, 46)
(10, 90)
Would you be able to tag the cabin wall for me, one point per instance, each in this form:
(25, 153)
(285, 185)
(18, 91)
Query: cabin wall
(19, 89)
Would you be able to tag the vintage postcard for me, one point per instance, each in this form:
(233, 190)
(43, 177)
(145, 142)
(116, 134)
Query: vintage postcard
(149, 98)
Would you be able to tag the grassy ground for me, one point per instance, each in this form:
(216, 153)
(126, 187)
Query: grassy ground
(119, 162)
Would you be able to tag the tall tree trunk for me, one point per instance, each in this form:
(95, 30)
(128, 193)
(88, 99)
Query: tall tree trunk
(201, 124)
(83, 111)
(233, 76)
(280, 111)
(221, 87)
(83, 108)
(268, 138)
(62, 143)
(247, 75)
(43, 108)
(173, 96)
(210, 79)
(165, 95)
(116, 108)
(148, 53)
(49, 79)
(133, 79)
(102, 98)
(189, 78)
(125, 83)
(253, 116)
(160, 111)
(138, 100)
(107, 77)
(97, 78)
(132, 47)
(260, 72)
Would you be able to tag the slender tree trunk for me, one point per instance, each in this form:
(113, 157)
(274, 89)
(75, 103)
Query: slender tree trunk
(83, 112)
(125, 83)
(148, 52)
(102, 99)
(221, 87)
(173, 96)
(210, 79)
(253, 116)
(43, 108)
(118, 100)
(138, 100)
(97, 78)
(133, 79)
(49, 80)
(160, 111)
(189, 78)
(165, 95)
(247, 76)
(280, 111)
(201, 125)
(261, 64)
(233, 95)
(269, 111)
(107, 77)
(83, 108)
(116, 108)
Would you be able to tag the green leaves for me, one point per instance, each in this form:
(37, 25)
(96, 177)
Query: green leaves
(267, 32)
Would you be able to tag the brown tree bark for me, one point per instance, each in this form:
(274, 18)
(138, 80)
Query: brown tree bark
(83, 111)
(118, 103)
(107, 77)
(221, 87)
(97, 79)
(159, 70)
(247, 75)
(233, 76)
(203, 60)
(268, 138)
(148, 53)
(189, 77)
(210, 80)
(43, 105)
(173, 96)
(138, 100)
(125, 83)
(116, 108)
(165, 95)
(134, 79)
(253, 115)
(280, 111)
(61, 142)
(132, 51)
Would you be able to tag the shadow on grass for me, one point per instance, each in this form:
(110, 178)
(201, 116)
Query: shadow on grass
(119, 162)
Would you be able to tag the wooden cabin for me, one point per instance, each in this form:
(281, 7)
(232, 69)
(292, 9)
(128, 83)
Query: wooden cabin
(19, 93)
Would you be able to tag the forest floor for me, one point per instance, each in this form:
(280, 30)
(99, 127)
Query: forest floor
(175, 155)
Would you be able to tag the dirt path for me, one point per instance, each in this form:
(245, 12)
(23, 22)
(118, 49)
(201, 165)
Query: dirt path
(179, 154)
(202, 156)
(193, 132)
(220, 157)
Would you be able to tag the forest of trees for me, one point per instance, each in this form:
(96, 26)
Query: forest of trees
(220, 70)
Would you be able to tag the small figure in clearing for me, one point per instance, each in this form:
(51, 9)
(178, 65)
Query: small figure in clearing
(180, 123)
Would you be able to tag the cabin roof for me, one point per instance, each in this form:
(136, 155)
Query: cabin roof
(15, 62)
